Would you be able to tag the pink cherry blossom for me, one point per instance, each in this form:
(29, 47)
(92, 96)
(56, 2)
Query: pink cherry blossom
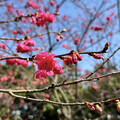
(43, 18)
(24, 63)
(47, 66)
(29, 42)
(23, 48)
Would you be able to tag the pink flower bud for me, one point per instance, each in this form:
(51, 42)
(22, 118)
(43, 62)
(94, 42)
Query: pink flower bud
(79, 57)
(61, 36)
(77, 41)
(107, 45)
(118, 105)
(97, 56)
(52, 3)
(47, 95)
(90, 106)
(98, 108)
(74, 58)
(68, 60)
(58, 38)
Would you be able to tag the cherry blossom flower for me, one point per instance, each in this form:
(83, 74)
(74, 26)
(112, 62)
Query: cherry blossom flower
(24, 63)
(23, 48)
(29, 42)
(43, 18)
(47, 66)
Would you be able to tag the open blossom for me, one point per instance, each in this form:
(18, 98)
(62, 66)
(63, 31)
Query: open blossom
(42, 18)
(24, 63)
(29, 42)
(47, 66)
(23, 48)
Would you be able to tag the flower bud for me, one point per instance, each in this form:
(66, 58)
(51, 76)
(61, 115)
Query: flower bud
(107, 45)
(98, 108)
(58, 38)
(61, 36)
(68, 60)
(90, 106)
(74, 58)
(79, 57)
(64, 30)
(97, 56)
(52, 2)
(118, 105)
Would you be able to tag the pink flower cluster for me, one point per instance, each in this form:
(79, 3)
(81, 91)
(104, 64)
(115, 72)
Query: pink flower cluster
(42, 18)
(24, 63)
(47, 66)
(25, 46)
(92, 107)
(73, 58)
(29, 42)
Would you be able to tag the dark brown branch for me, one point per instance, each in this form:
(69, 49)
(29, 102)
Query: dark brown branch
(59, 84)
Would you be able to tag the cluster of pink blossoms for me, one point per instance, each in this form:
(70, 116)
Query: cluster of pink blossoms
(42, 18)
(17, 62)
(25, 46)
(73, 58)
(47, 66)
